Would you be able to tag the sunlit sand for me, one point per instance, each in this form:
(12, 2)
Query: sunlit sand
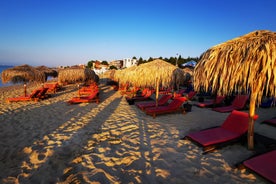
(112, 142)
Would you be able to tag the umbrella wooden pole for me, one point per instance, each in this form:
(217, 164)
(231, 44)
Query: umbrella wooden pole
(252, 107)
(79, 90)
(250, 135)
(157, 92)
(25, 90)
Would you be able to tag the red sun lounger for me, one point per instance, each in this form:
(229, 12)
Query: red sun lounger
(146, 96)
(173, 106)
(217, 101)
(93, 97)
(232, 129)
(162, 101)
(264, 165)
(32, 96)
(238, 103)
(271, 121)
(53, 87)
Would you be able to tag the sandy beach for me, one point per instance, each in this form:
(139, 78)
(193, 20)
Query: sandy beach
(112, 142)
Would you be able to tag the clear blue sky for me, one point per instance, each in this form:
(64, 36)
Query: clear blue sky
(68, 32)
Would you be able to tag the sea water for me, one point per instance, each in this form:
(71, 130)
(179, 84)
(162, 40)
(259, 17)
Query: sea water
(4, 67)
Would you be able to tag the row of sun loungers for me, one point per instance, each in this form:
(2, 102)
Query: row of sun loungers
(86, 94)
(167, 103)
(238, 103)
(233, 129)
(37, 94)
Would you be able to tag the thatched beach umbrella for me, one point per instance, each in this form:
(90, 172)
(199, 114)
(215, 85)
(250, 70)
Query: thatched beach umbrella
(109, 74)
(154, 74)
(23, 73)
(188, 73)
(158, 73)
(48, 71)
(126, 75)
(246, 63)
(74, 75)
(123, 77)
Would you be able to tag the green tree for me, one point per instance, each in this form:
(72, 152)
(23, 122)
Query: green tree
(90, 64)
(104, 63)
(113, 67)
(140, 61)
(172, 60)
(150, 59)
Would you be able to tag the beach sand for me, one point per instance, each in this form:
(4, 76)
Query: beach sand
(112, 142)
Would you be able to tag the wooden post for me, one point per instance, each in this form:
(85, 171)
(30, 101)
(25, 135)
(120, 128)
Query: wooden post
(25, 89)
(250, 134)
(157, 92)
(79, 90)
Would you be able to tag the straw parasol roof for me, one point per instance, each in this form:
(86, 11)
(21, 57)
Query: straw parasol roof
(153, 74)
(73, 75)
(246, 63)
(126, 75)
(158, 73)
(109, 74)
(23, 73)
(188, 73)
(48, 71)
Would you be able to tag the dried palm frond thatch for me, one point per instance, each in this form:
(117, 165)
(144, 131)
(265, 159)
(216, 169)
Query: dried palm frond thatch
(109, 74)
(188, 73)
(246, 63)
(158, 73)
(74, 75)
(23, 73)
(126, 75)
(48, 71)
(152, 74)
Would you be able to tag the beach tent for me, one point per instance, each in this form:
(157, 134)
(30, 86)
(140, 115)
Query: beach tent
(23, 73)
(154, 74)
(246, 63)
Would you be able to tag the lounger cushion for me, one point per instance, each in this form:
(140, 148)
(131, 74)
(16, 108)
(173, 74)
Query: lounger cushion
(271, 121)
(238, 103)
(264, 165)
(213, 136)
(174, 105)
(217, 101)
(163, 100)
(234, 126)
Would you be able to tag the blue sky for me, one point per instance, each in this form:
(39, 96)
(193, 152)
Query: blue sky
(69, 32)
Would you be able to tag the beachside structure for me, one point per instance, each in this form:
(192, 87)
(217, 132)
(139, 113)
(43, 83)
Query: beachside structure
(127, 62)
(99, 68)
(124, 63)
(117, 63)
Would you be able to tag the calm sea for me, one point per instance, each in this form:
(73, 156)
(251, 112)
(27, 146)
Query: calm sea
(1, 69)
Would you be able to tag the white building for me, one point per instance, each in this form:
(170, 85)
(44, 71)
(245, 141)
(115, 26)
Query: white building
(129, 62)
